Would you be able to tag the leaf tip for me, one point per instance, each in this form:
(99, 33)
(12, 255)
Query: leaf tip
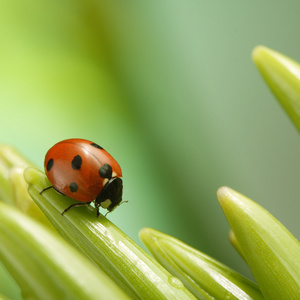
(147, 235)
(31, 175)
(222, 194)
(258, 52)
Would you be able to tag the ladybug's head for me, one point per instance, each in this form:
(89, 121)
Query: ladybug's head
(111, 195)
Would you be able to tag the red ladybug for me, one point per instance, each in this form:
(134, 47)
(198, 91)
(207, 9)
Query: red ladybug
(85, 172)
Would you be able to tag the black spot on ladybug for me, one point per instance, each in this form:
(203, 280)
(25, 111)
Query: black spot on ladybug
(50, 164)
(96, 146)
(105, 171)
(73, 187)
(77, 162)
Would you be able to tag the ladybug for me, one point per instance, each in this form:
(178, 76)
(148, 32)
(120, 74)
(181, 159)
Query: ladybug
(85, 172)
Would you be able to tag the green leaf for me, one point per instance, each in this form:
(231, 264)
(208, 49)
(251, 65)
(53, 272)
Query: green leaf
(6, 194)
(45, 266)
(205, 277)
(106, 245)
(8, 286)
(22, 199)
(271, 251)
(3, 297)
(13, 187)
(12, 158)
(283, 77)
(235, 244)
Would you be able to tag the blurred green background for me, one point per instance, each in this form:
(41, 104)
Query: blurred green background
(169, 89)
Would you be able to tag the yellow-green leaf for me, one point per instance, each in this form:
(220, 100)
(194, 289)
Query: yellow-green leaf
(282, 74)
(106, 245)
(205, 277)
(47, 267)
(271, 251)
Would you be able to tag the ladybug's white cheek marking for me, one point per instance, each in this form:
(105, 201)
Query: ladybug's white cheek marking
(114, 174)
(106, 203)
(105, 181)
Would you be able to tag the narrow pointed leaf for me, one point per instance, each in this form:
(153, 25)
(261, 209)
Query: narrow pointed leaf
(6, 194)
(271, 251)
(10, 158)
(282, 74)
(8, 286)
(13, 187)
(22, 199)
(205, 277)
(235, 244)
(13, 158)
(106, 245)
(45, 266)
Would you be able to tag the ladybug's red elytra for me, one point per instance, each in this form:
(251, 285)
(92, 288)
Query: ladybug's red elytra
(84, 171)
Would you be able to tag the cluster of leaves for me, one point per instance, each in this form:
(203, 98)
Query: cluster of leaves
(80, 257)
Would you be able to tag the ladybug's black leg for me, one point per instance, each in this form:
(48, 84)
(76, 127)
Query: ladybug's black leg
(59, 191)
(51, 187)
(75, 204)
(47, 188)
(97, 207)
